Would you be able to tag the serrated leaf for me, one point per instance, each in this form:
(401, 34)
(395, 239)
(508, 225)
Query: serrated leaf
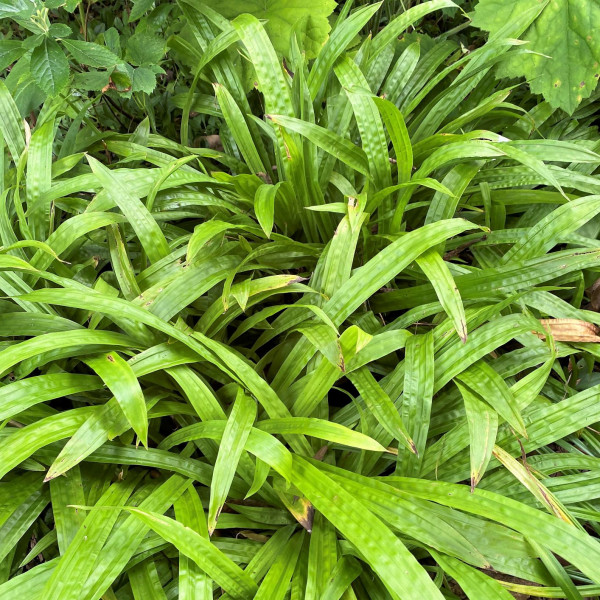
(308, 19)
(563, 33)
(50, 67)
(144, 80)
(90, 54)
(144, 49)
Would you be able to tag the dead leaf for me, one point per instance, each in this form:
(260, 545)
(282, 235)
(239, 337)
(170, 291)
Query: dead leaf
(594, 294)
(213, 142)
(571, 330)
(301, 508)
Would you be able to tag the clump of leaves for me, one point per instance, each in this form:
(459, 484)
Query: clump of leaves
(52, 52)
(311, 364)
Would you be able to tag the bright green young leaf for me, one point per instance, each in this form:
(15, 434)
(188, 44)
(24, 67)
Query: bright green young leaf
(284, 18)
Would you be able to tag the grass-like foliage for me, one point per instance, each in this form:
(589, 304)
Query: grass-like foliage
(310, 365)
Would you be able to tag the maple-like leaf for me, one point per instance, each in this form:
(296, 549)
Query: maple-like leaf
(565, 37)
(308, 18)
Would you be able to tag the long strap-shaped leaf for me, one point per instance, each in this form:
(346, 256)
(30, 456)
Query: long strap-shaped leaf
(213, 351)
(11, 125)
(205, 554)
(336, 145)
(441, 279)
(483, 427)
(150, 235)
(396, 566)
(194, 584)
(234, 438)
(379, 403)
(271, 80)
(122, 382)
(567, 541)
(405, 19)
(339, 39)
(384, 266)
(473, 582)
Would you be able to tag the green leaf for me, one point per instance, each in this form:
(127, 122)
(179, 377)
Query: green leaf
(80, 572)
(472, 581)
(383, 409)
(209, 558)
(483, 428)
(50, 67)
(10, 51)
(94, 81)
(144, 49)
(140, 7)
(194, 584)
(145, 582)
(441, 279)
(564, 69)
(326, 430)
(88, 53)
(557, 571)
(336, 145)
(232, 445)
(485, 381)
(417, 398)
(23, 394)
(530, 481)
(275, 584)
(151, 237)
(122, 382)
(21, 519)
(71, 5)
(60, 30)
(339, 39)
(11, 124)
(64, 491)
(367, 279)
(284, 18)
(271, 80)
(403, 21)
(544, 235)
(368, 119)
(264, 206)
(239, 128)
(384, 552)
(121, 78)
(144, 80)
(13, 8)
(203, 234)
